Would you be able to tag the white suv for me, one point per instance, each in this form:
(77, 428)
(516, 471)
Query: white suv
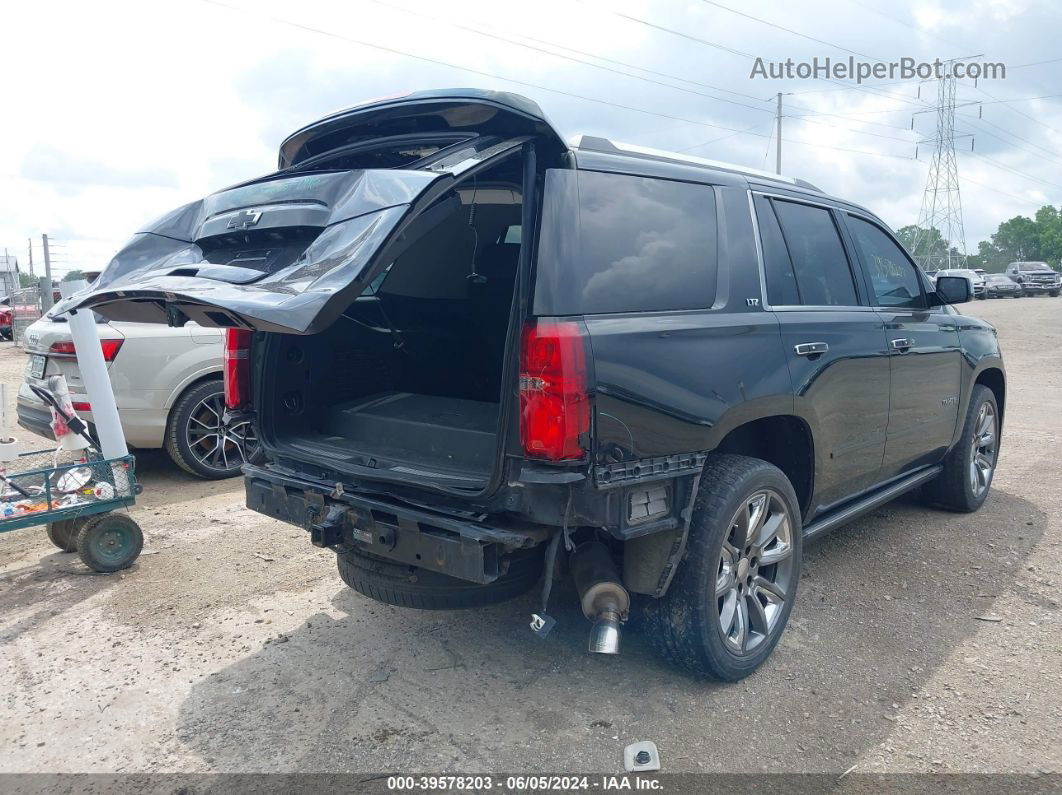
(167, 383)
(978, 288)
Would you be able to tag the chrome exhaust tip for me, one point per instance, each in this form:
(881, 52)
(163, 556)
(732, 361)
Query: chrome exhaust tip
(603, 598)
(605, 635)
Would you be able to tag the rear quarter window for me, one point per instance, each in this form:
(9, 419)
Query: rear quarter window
(617, 243)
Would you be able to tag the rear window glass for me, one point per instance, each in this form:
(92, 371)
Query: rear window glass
(617, 243)
(781, 281)
(819, 260)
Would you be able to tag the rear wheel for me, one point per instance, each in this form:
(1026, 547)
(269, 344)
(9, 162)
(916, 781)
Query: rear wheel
(200, 441)
(970, 466)
(410, 586)
(732, 595)
(64, 534)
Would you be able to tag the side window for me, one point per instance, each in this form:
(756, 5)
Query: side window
(819, 260)
(778, 268)
(619, 243)
(892, 276)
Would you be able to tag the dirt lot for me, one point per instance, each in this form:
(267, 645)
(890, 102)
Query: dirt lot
(233, 646)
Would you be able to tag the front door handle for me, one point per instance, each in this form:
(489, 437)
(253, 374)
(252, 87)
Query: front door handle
(811, 348)
(901, 344)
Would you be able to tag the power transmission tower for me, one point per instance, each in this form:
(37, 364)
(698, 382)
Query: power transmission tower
(942, 202)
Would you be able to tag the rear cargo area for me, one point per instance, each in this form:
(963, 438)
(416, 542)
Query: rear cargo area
(409, 378)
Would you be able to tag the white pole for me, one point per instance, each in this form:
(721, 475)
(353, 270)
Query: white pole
(3, 413)
(97, 383)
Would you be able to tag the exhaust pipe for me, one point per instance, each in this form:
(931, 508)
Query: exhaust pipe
(604, 600)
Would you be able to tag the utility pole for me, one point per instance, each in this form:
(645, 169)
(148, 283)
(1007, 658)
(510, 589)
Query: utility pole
(46, 280)
(47, 258)
(30, 247)
(778, 138)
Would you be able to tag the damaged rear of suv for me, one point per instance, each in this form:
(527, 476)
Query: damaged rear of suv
(475, 355)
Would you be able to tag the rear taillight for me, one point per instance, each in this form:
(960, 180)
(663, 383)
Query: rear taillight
(237, 368)
(65, 349)
(554, 390)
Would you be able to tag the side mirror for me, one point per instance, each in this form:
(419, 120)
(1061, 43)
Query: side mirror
(952, 290)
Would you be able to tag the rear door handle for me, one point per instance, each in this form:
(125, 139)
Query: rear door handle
(901, 344)
(811, 348)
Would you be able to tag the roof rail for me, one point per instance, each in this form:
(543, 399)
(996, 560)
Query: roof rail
(594, 143)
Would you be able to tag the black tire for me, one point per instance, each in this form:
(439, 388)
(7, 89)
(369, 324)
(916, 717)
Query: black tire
(409, 586)
(64, 534)
(953, 488)
(186, 419)
(685, 624)
(109, 542)
(1054, 293)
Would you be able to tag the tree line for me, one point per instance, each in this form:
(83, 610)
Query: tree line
(1019, 239)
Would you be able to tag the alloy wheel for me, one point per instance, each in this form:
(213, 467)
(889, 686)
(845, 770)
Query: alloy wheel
(755, 571)
(214, 443)
(983, 449)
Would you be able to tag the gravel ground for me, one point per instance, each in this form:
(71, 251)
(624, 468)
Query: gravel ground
(232, 645)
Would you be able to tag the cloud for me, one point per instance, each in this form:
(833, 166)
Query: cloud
(50, 164)
(121, 123)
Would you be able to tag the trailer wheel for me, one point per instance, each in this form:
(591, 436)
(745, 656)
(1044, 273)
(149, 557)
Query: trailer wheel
(64, 534)
(109, 542)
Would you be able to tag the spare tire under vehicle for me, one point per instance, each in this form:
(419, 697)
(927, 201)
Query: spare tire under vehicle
(403, 585)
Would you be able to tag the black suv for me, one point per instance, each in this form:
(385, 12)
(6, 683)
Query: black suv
(480, 358)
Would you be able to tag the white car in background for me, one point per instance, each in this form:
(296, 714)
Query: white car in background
(167, 383)
(978, 289)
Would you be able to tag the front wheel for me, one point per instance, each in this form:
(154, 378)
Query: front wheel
(734, 591)
(201, 442)
(109, 542)
(971, 464)
(1054, 293)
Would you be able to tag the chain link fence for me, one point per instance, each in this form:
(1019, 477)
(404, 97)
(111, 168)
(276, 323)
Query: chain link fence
(25, 309)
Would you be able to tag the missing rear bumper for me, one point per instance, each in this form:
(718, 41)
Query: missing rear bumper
(459, 548)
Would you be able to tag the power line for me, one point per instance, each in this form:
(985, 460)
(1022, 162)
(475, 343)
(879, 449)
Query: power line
(789, 30)
(720, 138)
(1013, 170)
(493, 76)
(496, 37)
(1016, 110)
(908, 110)
(713, 44)
(1036, 63)
(995, 189)
(852, 88)
(1045, 152)
(470, 70)
(558, 46)
(866, 89)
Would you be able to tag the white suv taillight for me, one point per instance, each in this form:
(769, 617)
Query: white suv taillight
(237, 369)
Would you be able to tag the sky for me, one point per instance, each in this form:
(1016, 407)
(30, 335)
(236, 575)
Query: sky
(115, 112)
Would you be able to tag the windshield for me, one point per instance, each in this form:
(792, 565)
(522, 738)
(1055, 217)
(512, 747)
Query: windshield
(1034, 266)
(997, 278)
